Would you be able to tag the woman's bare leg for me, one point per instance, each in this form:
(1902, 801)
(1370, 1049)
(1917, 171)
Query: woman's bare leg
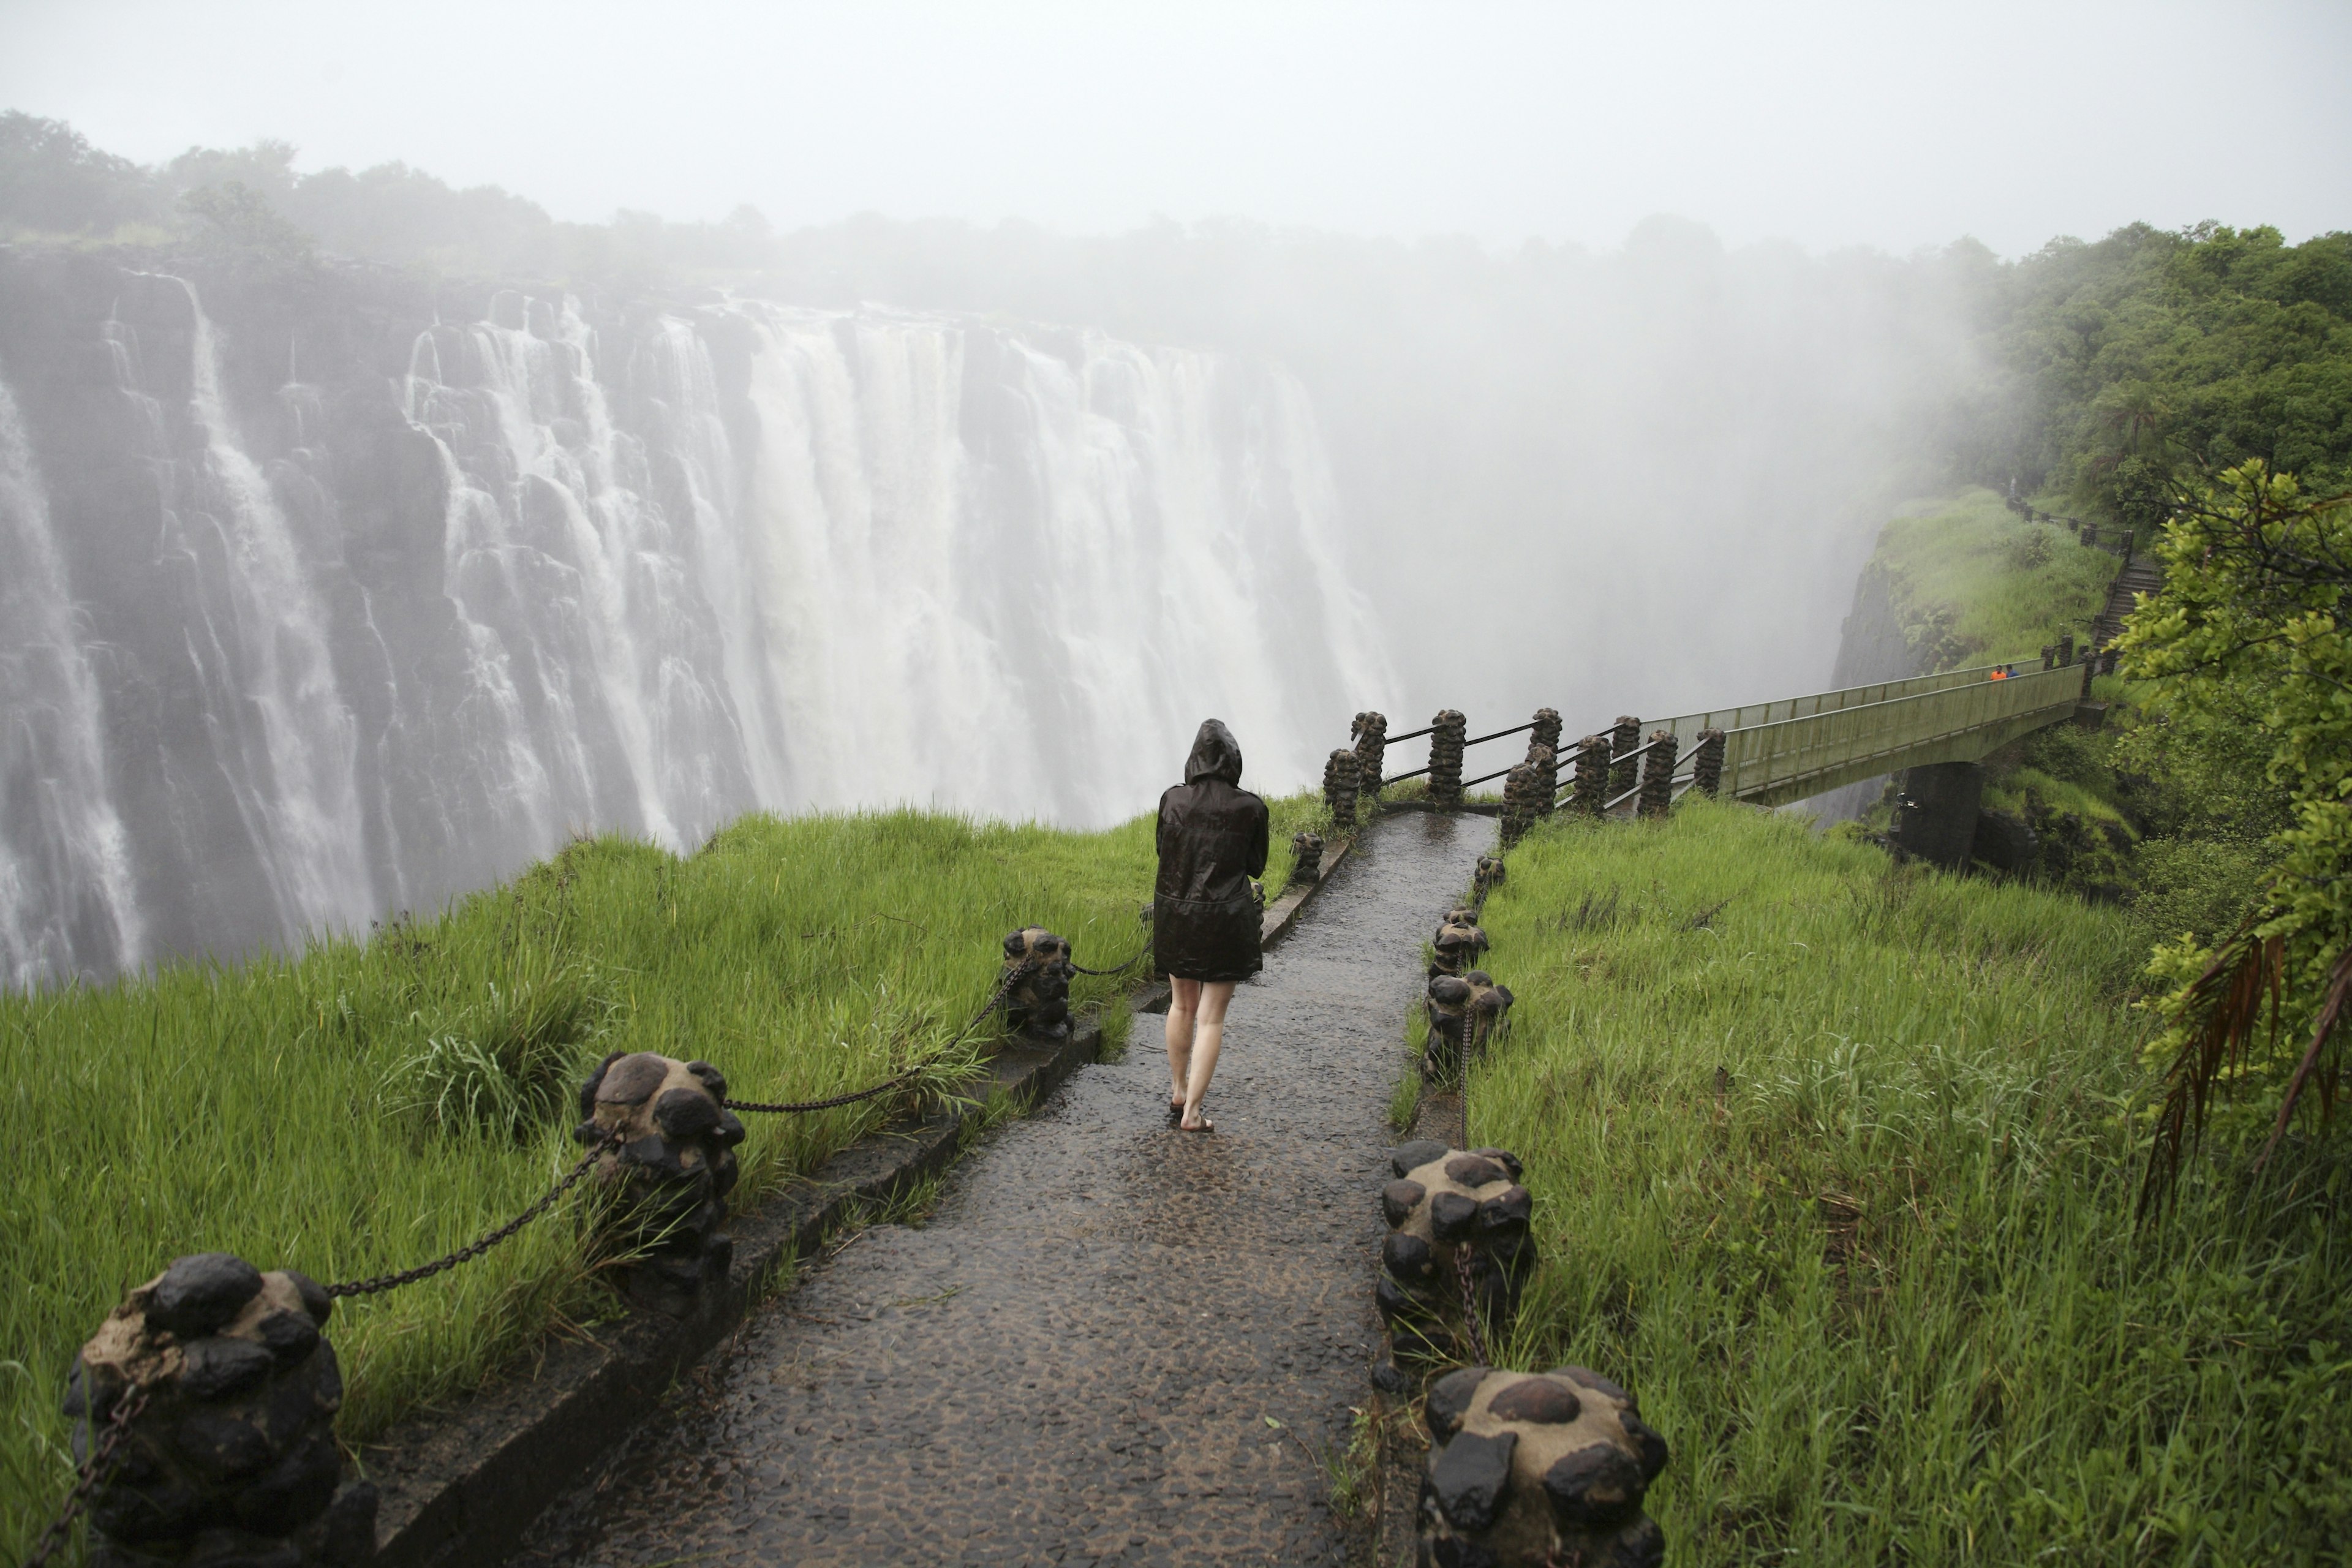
(1183, 1001)
(1208, 1033)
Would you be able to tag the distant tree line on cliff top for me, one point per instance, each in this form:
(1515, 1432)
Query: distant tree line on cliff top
(2114, 368)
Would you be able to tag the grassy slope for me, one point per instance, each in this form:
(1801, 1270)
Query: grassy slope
(1977, 585)
(330, 1112)
(1878, 1281)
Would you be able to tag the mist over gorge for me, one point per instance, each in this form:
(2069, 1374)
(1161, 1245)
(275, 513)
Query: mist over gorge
(348, 593)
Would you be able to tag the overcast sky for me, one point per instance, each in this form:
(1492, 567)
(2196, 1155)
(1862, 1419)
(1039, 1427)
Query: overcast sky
(1887, 124)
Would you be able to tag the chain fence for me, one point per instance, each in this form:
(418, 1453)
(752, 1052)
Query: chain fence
(93, 1475)
(97, 1468)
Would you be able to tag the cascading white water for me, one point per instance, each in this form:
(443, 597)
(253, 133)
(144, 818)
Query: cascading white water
(606, 586)
(300, 764)
(1020, 606)
(67, 900)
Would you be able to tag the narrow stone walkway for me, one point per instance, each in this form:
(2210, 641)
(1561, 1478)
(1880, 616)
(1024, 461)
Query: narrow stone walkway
(1111, 1342)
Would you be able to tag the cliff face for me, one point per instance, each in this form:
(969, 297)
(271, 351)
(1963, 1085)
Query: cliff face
(1871, 643)
(355, 592)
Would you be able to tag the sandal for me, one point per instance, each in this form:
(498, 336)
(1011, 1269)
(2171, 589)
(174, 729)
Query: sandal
(1206, 1126)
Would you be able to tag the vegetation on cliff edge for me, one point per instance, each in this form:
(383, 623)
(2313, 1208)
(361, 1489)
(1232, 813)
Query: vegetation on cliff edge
(1836, 1163)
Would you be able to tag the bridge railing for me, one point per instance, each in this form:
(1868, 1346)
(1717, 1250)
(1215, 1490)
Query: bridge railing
(1779, 751)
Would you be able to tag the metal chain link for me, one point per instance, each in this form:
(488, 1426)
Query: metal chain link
(1469, 1303)
(94, 1473)
(380, 1283)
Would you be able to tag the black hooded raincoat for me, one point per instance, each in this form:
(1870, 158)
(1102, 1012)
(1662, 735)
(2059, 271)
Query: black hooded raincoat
(1212, 840)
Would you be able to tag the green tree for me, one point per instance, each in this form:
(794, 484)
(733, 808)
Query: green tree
(53, 180)
(2258, 583)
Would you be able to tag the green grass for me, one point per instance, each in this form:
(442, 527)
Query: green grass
(1841, 1182)
(364, 1107)
(1974, 583)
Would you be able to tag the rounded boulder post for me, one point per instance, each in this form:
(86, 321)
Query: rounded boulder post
(1706, 767)
(1305, 858)
(233, 1455)
(1371, 733)
(1532, 1469)
(1340, 776)
(1624, 743)
(1458, 1252)
(1591, 775)
(1445, 760)
(1658, 761)
(669, 1168)
(1038, 1000)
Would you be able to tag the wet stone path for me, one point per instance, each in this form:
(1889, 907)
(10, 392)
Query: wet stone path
(1080, 1356)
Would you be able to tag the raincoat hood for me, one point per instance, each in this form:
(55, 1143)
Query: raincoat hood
(1215, 754)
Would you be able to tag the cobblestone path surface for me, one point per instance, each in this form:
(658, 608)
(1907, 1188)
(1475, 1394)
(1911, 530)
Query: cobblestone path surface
(1083, 1355)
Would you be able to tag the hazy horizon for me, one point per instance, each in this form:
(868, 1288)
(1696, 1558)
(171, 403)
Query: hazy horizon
(1833, 127)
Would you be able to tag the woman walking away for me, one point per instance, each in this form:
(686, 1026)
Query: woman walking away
(1204, 922)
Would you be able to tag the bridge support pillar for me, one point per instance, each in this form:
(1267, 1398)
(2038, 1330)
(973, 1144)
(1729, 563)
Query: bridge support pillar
(1936, 813)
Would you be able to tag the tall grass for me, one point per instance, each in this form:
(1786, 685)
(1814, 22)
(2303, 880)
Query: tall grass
(1836, 1168)
(365, 1106)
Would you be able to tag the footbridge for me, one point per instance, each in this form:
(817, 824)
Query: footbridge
(1774, 753)
(1766, 754)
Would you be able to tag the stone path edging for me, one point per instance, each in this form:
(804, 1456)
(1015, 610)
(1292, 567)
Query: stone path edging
(1283, 913)
(458, 1490)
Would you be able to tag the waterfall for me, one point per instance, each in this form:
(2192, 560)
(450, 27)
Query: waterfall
(283, 727)
(571, 569)
(66, 903)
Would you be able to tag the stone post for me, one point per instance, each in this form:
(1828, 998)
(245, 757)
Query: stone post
(1039, 1002)
(1519, 787)
(1591, 775)
(1466, 1012)
(1339, 770)
(1447, 1208)
(1371, 733)
(1305, 858)
(1625, 736)
(668, 1174)
(1537, 1469)
(1457, 944)
(1445, 760)
(1707, 766)
(234, 1458)
(1543, 751)
(1658, 761)
(2048, 656)
(2065, 649)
